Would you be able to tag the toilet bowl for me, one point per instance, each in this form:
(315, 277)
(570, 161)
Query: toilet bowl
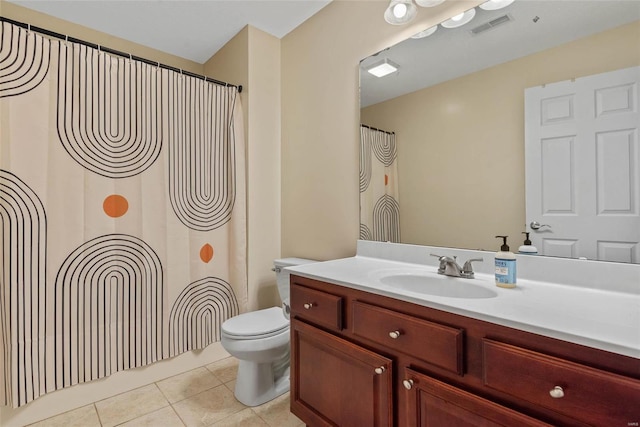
(260, 341)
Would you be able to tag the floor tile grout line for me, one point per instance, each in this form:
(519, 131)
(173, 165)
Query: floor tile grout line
(162, 392)
(149, 413)
(141, 415)
(229, 416)
(187, 397)
(196, 394)
(95, 408)
(184, 424)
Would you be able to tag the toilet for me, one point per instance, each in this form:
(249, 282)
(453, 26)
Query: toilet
(260, 341)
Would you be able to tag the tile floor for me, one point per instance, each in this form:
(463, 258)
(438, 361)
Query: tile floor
(201, 397)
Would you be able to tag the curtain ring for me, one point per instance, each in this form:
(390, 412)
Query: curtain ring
(28, 29)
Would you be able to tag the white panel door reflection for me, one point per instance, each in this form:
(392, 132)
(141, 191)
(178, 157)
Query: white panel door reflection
(581, 165)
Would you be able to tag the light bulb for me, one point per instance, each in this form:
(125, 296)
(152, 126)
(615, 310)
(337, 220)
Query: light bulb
(399, 10)
(457, 17)
(495, 4)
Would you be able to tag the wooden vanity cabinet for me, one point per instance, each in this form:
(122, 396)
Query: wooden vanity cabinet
(360, 359)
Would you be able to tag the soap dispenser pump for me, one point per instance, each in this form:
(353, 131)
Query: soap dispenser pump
(505, 266)
(527, 248)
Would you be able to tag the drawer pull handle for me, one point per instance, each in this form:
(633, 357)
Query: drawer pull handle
(557, 392)
(408, 384)
(394, 334)
(308, 305)
(379, 370)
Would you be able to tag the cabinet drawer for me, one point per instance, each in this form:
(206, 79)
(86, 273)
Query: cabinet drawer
(590, 395)
(431, 342)
(316, 307)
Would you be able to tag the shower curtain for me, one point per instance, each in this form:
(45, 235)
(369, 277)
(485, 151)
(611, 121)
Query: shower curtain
(379, 208)
(122, 199)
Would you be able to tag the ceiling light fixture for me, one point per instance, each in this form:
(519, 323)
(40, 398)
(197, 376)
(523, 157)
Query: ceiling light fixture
(425, 33)
(429, 3)
(460, 19)
(400, 12)
(383, 68)
(495, 4)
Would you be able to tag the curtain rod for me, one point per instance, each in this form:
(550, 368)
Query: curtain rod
(116, 52)
(379, 130)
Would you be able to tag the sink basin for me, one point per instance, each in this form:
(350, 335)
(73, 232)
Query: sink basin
(438, 285)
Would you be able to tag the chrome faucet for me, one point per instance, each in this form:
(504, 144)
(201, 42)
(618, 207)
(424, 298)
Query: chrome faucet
(449, 267)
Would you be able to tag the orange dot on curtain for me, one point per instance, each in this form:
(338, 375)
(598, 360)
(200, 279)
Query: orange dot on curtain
(386, 180)
(115, 205)
(206, 253)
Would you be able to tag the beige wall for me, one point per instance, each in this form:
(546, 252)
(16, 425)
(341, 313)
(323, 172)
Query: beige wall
(461, 143)
(320, 116)
(252, 59)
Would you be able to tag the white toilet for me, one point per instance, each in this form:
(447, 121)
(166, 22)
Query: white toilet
(260, 341)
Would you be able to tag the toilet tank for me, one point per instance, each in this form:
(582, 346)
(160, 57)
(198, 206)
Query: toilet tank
(282, 276)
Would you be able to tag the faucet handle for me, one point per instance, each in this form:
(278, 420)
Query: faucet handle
(443, 258)
(443, 263)
(467, 269)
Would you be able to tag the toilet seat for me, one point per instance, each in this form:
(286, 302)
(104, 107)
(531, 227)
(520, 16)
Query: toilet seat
(256, 324)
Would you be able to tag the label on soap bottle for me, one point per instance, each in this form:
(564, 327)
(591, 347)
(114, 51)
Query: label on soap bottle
(506, 272)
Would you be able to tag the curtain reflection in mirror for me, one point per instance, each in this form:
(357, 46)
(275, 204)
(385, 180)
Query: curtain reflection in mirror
(379, 208)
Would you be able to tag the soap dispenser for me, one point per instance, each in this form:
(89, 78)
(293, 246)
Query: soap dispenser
(527, 248)
(505, 266)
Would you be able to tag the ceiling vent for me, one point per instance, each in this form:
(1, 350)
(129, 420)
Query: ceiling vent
(492, 24)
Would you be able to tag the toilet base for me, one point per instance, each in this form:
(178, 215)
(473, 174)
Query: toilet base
(256, 384)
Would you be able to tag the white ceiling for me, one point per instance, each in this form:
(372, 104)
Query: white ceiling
(191, 29)
(451, 53)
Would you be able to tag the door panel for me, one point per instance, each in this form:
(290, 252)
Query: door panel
(432, 403)
(338, 383)
(582, 159)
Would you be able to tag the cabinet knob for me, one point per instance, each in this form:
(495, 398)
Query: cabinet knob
(557, 392)
(380, 370)
(308, 305)
(408, 384)
(394, 334)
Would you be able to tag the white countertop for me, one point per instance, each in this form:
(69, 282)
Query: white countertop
(604, 319)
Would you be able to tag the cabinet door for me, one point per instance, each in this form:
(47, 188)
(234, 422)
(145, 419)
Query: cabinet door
(337, 383)
(432, 403)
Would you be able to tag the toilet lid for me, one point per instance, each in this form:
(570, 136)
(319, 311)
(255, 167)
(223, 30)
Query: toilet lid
(256, 323)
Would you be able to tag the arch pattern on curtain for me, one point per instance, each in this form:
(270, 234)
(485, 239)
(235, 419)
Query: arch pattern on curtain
(108, 309)
(201, 160)
(24, 61)
(109, 111)
(196, 311)
(22, 287)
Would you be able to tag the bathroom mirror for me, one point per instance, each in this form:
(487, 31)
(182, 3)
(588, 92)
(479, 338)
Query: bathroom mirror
(456, 106)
